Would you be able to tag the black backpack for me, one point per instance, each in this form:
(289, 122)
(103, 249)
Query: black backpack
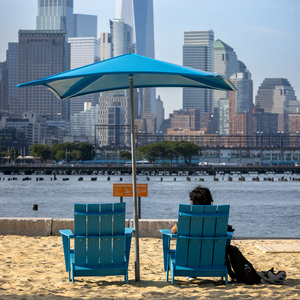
(239, 268)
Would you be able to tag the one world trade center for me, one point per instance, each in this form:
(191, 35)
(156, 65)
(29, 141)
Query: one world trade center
(139, 15)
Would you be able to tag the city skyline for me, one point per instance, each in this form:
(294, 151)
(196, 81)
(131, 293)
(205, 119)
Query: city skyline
(263, 33)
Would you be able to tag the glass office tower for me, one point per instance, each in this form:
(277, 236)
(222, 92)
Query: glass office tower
(121, 37)
(226, 63)
(84, 51)
(198, 52)
(139, 15)
(55, 15)
(241, 104)
(12, 65)
(274, 95)
(85, 25)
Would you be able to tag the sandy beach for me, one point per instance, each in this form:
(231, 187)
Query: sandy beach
(33, 268)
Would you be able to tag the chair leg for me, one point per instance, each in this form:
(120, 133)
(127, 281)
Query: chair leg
(225, 278)
(167, 268)
(72, 271)
(171, 266)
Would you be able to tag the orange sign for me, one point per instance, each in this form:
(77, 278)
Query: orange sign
(125, 190)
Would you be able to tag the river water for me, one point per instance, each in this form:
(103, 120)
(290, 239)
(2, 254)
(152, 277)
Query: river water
(257, 208)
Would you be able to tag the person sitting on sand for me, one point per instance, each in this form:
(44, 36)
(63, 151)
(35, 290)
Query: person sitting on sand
(198, 196)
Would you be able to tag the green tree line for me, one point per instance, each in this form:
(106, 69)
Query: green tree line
(66, 151)
(167, 151)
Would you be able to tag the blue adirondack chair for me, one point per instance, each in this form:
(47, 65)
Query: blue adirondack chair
(101, 241)
(201, 241)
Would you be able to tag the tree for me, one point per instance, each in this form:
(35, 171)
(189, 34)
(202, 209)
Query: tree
(76, 154)
(164, 150)
(77, 151)
(150, 152)
(87, 150)
(41, 151)
(12, 154)
(187, 150)
(168, 151)
(63, 151)
(60, 155)
(125, 154)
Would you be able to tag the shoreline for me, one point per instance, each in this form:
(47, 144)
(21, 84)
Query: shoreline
(110, 169)
(33, 268)
(148, 228)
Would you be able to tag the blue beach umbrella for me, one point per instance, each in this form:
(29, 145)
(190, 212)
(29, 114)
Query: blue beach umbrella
(129, 71)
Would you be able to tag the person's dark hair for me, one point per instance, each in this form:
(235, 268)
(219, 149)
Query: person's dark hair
(201, 196)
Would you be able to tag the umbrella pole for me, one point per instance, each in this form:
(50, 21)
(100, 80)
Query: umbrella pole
(133, 159)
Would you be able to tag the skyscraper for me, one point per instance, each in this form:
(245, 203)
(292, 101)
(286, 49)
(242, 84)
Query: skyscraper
(83, 123)
(55, 15)
(241, 104)
(105, 46)
(198, 52)
(226, 63)
(3, 86)
(121, 37)
(160, 113)
(263, 122)
(84, 51)
(222, 116)
(12, 65)
(139, 15)
(114, 112)
(41, 53)
(292, 117)
(273, 96)
(114, 122)
(85, 25)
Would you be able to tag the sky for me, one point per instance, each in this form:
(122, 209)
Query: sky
(265, 34)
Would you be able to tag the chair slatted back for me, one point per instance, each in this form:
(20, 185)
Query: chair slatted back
(99, 234)
(201, 235)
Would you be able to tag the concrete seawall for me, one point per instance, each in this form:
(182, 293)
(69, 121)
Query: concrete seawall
(49, 226)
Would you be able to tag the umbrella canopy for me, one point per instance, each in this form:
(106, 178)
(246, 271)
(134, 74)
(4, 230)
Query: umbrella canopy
(112, 74)
(123, 72)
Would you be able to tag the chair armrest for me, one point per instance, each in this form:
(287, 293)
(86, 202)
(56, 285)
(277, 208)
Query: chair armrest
(66, 236)
(67, 232)
(128, 230)
(128, 236)
(168, 233)
(230, 237)
(230, 234)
